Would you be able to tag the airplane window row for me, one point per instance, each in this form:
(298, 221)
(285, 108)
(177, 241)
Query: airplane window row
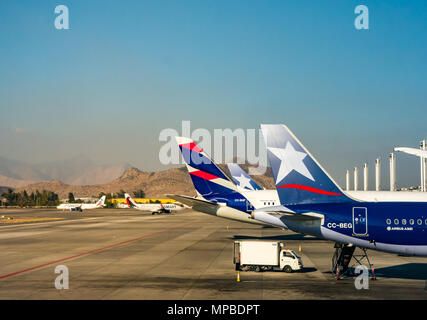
(404, 222)
(268, 203)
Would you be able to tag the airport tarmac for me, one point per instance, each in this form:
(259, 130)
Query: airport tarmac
(126, 254)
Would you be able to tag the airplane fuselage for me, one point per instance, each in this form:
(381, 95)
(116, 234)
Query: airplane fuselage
(154, 207)
(386, 226)
(269, 198)
(83, 206)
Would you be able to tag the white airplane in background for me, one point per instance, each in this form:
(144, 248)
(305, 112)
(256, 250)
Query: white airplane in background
(153, 207)
(82, 206)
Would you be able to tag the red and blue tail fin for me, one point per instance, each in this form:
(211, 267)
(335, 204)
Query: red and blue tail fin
(241, 178)
(299, 178)
(207, 177)
(129, 201)
(101, 201)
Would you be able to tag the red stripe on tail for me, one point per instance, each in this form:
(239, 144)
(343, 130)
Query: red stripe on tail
(310, 189)
(204, 175)
(191, 146)
(129, 203)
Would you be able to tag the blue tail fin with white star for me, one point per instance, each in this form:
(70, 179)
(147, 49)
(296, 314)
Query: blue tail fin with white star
(241, 178)
(299, 177)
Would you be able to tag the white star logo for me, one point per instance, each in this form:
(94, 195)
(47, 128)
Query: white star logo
(244, 182)
(290, 159)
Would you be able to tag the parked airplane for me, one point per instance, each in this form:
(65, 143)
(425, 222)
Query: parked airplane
(153, 207)
(243, 180)
(216, 193)
(312, 203)
(82, 206)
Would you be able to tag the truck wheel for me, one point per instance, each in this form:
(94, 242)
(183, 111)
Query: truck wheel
(287, 269)
(258, 269)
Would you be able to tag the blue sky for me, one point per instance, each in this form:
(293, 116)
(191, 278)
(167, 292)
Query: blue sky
(126, 70)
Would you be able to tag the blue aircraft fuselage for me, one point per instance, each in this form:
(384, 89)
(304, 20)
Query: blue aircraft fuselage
(387, 226)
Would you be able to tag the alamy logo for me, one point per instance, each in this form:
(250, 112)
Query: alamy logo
(362, 20)
(362, 280)
(223, 144)
(62, 20)
(62, 281)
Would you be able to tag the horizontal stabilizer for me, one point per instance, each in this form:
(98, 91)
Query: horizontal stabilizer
(281, 216)
(191, 201)
(283, 211)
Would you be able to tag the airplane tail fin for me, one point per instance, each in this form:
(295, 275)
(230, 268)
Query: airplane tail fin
(299, 178)
(207, 177)
(101, 201)
(129, 201)
(241, 178)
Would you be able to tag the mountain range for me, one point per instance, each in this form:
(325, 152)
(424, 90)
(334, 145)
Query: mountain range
(78, 170)
(84, 178)
(155, 184)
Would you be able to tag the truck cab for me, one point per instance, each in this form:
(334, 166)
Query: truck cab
(290, 261)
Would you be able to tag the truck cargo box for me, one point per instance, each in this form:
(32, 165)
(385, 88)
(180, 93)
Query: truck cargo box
(264, 253)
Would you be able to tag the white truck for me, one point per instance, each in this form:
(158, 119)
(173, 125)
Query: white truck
(265, 255)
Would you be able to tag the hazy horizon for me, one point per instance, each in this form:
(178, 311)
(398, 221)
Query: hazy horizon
(123, 72)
